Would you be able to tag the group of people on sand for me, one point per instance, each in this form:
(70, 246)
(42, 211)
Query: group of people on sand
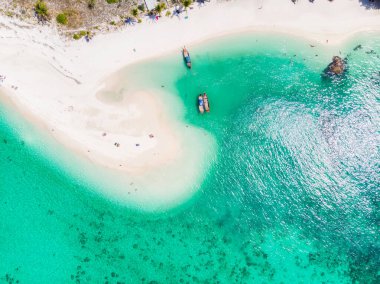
(203, 103)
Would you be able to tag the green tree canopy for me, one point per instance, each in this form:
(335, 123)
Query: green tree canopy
(187, 3)
(41, 10)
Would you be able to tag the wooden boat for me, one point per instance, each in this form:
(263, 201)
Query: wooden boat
(206, 103)
(201, 104)
(186, 57)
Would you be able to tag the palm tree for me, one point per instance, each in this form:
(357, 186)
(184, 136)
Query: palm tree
(41, 10)
(187, 3)
(159, 8)
(135, 12)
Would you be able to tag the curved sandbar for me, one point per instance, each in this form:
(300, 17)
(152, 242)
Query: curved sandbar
(60, 85)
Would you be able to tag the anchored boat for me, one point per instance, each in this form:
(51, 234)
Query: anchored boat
(201, 104)
(186, 57)
(206, 103)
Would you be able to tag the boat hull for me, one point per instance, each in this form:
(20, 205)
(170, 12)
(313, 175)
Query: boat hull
(186, 57)
(206, 103)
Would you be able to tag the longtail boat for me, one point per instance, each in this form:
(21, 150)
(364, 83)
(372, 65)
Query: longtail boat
(201, 104)
(206, 103)
(186, 57)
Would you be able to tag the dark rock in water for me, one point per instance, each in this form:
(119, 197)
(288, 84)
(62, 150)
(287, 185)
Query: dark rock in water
(336, 67)
(357, 47)
(311, 257)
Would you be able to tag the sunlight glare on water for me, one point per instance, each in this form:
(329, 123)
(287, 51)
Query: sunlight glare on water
(291, 197)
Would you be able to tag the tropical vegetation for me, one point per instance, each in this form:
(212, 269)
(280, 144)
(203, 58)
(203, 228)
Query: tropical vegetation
(62, 19)
(41, 10)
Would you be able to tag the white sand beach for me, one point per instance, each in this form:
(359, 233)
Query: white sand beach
(61, 85)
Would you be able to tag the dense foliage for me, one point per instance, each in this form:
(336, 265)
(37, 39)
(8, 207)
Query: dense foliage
(41, 10)
(62, 19)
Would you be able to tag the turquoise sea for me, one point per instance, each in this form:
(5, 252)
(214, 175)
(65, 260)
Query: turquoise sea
(291, 196)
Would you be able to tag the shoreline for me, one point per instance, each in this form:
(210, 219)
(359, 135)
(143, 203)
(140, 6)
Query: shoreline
(59, 83)
(143, 190)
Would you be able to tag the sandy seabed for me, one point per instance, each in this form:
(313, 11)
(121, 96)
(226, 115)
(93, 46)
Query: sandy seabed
(65, 87)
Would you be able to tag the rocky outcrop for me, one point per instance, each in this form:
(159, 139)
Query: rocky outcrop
(337, 66)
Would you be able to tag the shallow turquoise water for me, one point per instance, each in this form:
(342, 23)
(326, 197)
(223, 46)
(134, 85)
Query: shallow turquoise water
(292, 197)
